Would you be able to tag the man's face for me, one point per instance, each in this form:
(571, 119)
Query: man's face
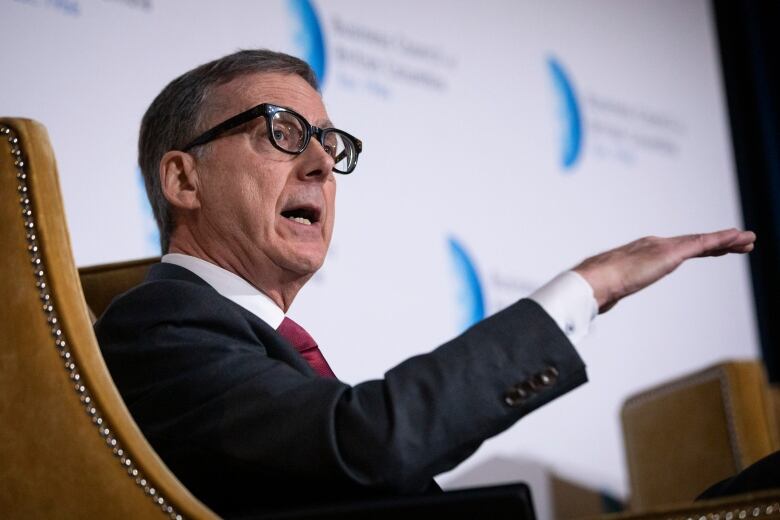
(253, 196)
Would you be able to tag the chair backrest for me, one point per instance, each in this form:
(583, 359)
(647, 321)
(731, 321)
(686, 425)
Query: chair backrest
(68, 445)
(681, 437)
(103, 283)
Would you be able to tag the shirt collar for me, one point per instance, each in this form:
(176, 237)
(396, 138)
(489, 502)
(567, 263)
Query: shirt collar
(231, 286)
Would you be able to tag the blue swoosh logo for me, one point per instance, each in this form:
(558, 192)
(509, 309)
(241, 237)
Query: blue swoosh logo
(569, 113)
(472, 302)
(309, 36)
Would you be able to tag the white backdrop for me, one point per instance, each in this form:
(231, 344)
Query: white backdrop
(503, 141)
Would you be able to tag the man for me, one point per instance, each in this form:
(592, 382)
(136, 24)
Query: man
(236, 398)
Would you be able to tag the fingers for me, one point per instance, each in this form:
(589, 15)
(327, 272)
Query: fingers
(727, 241)
(746, 238)
(714, 244)
(740, 249)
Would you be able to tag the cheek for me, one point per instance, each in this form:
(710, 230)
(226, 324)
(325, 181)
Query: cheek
(330, 201)
(240, 205)
(330, 196)
(254, 207)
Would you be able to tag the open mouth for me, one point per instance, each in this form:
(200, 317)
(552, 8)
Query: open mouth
(306, 215)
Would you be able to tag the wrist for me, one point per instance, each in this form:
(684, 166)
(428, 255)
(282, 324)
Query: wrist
(605, 298)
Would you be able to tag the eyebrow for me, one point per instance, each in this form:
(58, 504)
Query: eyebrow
(320, 123)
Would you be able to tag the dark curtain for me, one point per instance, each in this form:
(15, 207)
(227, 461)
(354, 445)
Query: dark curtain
(750, 49)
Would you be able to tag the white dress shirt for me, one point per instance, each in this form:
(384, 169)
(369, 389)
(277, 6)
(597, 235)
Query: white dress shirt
(231, 286)
(567, 298)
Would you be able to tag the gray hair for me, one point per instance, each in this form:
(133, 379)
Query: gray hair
(175, 117)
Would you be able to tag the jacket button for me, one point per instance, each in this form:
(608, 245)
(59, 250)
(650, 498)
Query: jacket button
(529, 386)
(515, 397)
(551, 374)
(546, 378)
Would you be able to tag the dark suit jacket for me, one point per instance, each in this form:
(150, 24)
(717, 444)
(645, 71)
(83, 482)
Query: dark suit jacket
(761, 475)
(246, 425)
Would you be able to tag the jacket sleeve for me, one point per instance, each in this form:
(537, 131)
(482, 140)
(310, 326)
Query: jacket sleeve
(203, 381)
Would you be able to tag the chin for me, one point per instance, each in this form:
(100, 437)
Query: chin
(306, 265)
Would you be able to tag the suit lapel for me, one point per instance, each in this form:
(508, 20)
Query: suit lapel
(275, 345)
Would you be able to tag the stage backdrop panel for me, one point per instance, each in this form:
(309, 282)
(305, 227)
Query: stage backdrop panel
(504, 141)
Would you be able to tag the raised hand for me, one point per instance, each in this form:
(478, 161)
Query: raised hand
(625, 270)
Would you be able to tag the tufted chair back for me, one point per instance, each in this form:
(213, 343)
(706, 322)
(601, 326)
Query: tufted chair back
(68, 445)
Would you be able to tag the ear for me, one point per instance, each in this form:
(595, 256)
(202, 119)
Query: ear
(179, 180)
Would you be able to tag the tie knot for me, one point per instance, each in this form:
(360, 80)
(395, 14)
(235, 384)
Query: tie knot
(296, 335)
(306, 346)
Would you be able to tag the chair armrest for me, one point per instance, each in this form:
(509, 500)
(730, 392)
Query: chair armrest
(762, 505)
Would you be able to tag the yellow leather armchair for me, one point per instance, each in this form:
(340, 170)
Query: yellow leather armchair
(68, 445)
(683, 436)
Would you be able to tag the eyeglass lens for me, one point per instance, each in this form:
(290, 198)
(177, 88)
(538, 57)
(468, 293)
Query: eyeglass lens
(289, 133)
(341, 148)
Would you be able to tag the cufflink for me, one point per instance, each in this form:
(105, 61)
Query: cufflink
(569, 328)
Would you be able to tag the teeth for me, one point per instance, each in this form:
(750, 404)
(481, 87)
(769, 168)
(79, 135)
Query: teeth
(301, 220)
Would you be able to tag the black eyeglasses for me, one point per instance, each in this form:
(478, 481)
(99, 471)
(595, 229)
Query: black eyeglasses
(290, 133)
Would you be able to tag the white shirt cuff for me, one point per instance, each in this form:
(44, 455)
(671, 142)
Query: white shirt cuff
(569, 301)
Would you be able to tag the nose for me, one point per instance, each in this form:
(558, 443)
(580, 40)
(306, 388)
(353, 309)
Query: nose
(317, 163)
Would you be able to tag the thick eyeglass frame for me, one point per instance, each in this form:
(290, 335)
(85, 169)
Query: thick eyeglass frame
(268, 111)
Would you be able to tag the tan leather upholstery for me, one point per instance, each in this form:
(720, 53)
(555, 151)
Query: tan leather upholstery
(571, 500)
(60, 412)
(764, 505)
(686, 435)
(102, 283)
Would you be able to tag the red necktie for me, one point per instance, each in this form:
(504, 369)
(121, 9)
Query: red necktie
(306, 346)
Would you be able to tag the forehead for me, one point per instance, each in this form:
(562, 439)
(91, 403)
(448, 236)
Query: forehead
(288, 90)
